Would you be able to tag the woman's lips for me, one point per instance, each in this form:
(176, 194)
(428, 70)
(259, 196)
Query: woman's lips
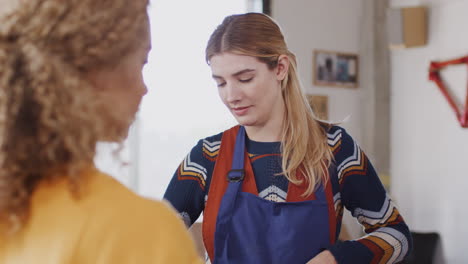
(240, 111)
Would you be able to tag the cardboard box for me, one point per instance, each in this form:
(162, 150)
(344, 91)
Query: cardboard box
(407, 27)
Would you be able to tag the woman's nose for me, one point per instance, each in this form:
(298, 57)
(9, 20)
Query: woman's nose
(144, 90)
(233, 94)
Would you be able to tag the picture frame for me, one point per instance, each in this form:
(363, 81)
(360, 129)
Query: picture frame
(335, 69)
(319, 105)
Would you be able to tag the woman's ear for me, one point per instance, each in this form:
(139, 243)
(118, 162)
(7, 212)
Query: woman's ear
(282, 68)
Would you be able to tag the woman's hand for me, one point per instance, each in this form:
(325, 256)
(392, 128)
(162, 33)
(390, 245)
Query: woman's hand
(325, 257)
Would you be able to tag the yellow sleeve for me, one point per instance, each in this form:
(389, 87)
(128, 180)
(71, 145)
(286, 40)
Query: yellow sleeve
(150, 232)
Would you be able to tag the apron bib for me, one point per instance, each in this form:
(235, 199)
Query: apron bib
(249, 229)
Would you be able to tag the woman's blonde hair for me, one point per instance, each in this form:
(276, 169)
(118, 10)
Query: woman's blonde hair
(303, 138)
(50, 120)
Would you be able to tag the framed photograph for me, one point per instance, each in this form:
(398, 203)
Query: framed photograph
(336, 69)
(319, 104)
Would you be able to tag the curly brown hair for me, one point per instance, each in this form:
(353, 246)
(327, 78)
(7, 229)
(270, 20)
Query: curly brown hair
(50, 120)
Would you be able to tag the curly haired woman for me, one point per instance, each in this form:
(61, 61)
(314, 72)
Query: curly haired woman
(70, 77)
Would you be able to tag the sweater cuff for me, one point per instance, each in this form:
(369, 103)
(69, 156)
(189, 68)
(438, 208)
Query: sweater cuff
(351, 252)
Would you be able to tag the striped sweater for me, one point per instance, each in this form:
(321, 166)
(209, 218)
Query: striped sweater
(355, 186)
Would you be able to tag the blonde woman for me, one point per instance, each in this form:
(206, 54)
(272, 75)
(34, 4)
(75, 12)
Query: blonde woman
(70, 76)
(272, 189)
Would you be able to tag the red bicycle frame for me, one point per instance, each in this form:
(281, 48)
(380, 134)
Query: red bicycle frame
(434, 75)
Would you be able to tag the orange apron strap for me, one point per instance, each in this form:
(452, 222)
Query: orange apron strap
(331, 209)
(295, 191)
(219, 184)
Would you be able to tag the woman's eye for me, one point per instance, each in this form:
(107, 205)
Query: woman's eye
(221, 84)
(245, 80)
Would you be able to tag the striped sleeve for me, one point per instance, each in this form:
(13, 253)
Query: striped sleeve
(387, 238)
(189, 185)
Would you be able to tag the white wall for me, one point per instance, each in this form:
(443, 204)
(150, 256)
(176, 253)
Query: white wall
(328, 25)
(121, 161)
(334, 25)
(429, 162)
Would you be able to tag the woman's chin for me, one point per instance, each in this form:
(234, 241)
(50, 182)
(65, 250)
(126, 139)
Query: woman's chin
(245, 121)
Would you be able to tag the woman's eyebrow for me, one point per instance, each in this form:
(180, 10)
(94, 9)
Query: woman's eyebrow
(242, 72)
(234, 74)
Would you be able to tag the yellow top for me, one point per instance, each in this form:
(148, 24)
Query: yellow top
(108, 223)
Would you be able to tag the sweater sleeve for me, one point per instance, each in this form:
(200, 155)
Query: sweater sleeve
(189, 185)
(387, 238)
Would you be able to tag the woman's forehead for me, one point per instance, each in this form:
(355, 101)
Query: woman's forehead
(230, 63)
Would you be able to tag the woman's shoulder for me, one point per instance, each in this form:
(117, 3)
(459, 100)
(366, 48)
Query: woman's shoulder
(331, 128)
(211, 144)
(334, 132)
(110, 193)
(340, 141)
(144, 225)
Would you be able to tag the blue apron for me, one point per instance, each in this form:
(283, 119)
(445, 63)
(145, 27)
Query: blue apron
(250, 229)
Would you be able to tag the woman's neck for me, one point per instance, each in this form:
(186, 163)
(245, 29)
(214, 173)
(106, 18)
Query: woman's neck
(271, 129)
(270, 132)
